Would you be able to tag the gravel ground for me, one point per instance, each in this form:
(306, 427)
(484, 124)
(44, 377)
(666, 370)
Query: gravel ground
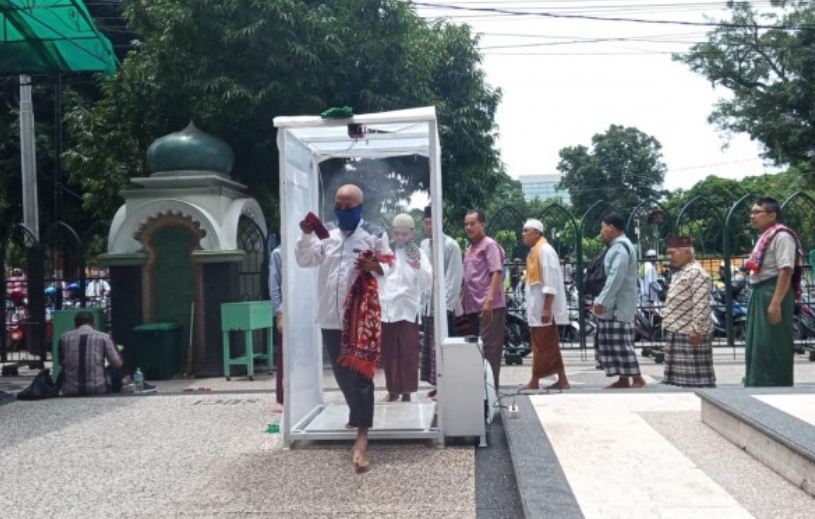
(205, 454)
(758, 489)
(208, 455)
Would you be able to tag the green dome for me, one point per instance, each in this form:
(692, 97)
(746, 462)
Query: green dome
(190, 150)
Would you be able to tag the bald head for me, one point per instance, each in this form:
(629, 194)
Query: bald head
(348, 196)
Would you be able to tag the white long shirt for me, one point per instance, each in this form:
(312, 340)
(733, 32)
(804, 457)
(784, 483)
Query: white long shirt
(552, 284)
(336, 256)
(400, 293)
(453, 276)
(647, 295)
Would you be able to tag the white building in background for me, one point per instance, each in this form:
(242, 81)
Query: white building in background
(543, 187)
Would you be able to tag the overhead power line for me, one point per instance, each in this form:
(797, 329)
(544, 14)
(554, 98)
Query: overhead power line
(498, 10)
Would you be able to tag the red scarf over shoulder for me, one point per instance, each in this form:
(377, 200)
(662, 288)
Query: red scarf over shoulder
(361, 337)
(757, 256)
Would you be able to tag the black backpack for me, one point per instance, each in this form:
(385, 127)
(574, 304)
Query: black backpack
(40, 388)
(595, 277)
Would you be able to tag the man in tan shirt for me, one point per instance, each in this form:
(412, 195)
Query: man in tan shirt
(686, 320)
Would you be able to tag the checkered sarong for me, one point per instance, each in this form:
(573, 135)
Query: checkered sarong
(615, 347)
(688, 365)
(427, 368)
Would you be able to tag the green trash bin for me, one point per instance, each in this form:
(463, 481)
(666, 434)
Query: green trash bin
(157, 349)
(63, 321)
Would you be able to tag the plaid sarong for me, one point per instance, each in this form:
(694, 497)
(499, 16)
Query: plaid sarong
(688, 365)
(427, 369)
(615, 348)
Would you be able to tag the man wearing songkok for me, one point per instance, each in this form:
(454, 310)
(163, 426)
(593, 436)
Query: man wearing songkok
(401, 296)
(775, 276)
(453, 274)
(686, 320)
(353, 256)
(484, 299)
(616, 305)
(545, 306)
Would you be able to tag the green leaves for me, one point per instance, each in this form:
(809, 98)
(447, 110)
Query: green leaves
(233, 65)
(771, 73)
(623, 167)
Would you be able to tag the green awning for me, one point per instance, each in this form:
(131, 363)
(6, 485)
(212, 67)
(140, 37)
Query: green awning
(49, 36)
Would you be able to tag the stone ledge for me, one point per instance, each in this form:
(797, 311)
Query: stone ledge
(545, 492)
(782, 442)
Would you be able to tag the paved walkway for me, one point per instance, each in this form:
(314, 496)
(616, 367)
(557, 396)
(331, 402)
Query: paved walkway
(207, 454)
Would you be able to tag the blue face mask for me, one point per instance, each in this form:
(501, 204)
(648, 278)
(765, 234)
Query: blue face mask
(348, 219)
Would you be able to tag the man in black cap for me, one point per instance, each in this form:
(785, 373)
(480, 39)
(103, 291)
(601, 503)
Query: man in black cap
(453, 275)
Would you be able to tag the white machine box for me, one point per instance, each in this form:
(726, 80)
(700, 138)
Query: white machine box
(462, 388)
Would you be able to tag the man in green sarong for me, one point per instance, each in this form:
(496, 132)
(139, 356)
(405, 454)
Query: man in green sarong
(775, 278)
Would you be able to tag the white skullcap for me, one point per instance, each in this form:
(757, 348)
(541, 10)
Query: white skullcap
(404, 221)
(533, 223)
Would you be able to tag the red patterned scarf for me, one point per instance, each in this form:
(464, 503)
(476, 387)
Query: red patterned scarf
(361, 338)
(757, 256)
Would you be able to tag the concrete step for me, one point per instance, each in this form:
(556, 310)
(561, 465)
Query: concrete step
(775, 426)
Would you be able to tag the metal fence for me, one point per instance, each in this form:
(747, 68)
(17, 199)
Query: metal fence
(56, 272)
(722, 238)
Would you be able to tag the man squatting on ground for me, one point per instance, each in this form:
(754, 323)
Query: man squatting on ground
(453, 274)
(775, 277)
(616, 305)
(401, 297)
(545, 306)
(484, 298)
(686, 320)
(82, 353)
(353, 248)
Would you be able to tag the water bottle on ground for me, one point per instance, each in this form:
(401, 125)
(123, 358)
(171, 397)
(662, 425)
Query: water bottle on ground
(138, 381)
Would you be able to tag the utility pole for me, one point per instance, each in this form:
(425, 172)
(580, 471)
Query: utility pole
(28, 158)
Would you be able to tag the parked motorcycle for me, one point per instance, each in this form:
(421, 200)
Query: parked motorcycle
(648, 320)
(517, 343)
(718, 313)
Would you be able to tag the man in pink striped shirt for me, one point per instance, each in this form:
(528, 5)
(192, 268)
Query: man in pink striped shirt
(484, 300)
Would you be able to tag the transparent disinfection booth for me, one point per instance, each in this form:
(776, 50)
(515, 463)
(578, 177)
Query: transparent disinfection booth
(391, 156)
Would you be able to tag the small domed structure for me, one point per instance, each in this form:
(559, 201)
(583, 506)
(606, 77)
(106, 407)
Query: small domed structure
(189, 152)
(187, 239)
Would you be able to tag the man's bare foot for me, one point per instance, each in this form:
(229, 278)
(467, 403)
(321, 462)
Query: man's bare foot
(405, 397)
(359, 457)
(559, 385)
(622, 383)
(277, 408)
(391, 398)
(638, 382)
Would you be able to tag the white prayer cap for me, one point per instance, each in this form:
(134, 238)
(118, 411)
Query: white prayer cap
(405, 221)
(533, 223)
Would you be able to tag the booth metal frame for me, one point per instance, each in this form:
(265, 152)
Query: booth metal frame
(303, 143)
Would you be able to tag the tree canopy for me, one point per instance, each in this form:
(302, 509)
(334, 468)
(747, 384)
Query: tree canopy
(233, 65)
(770, 73)
(623, 165)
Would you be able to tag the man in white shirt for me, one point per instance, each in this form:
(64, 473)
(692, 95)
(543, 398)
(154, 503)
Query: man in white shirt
(649, 276)
(400, 295)
(97, 287)
(545, 307)
(453, 278)
(340, 258)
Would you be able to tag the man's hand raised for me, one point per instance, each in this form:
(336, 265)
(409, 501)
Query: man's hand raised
(306, 227)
